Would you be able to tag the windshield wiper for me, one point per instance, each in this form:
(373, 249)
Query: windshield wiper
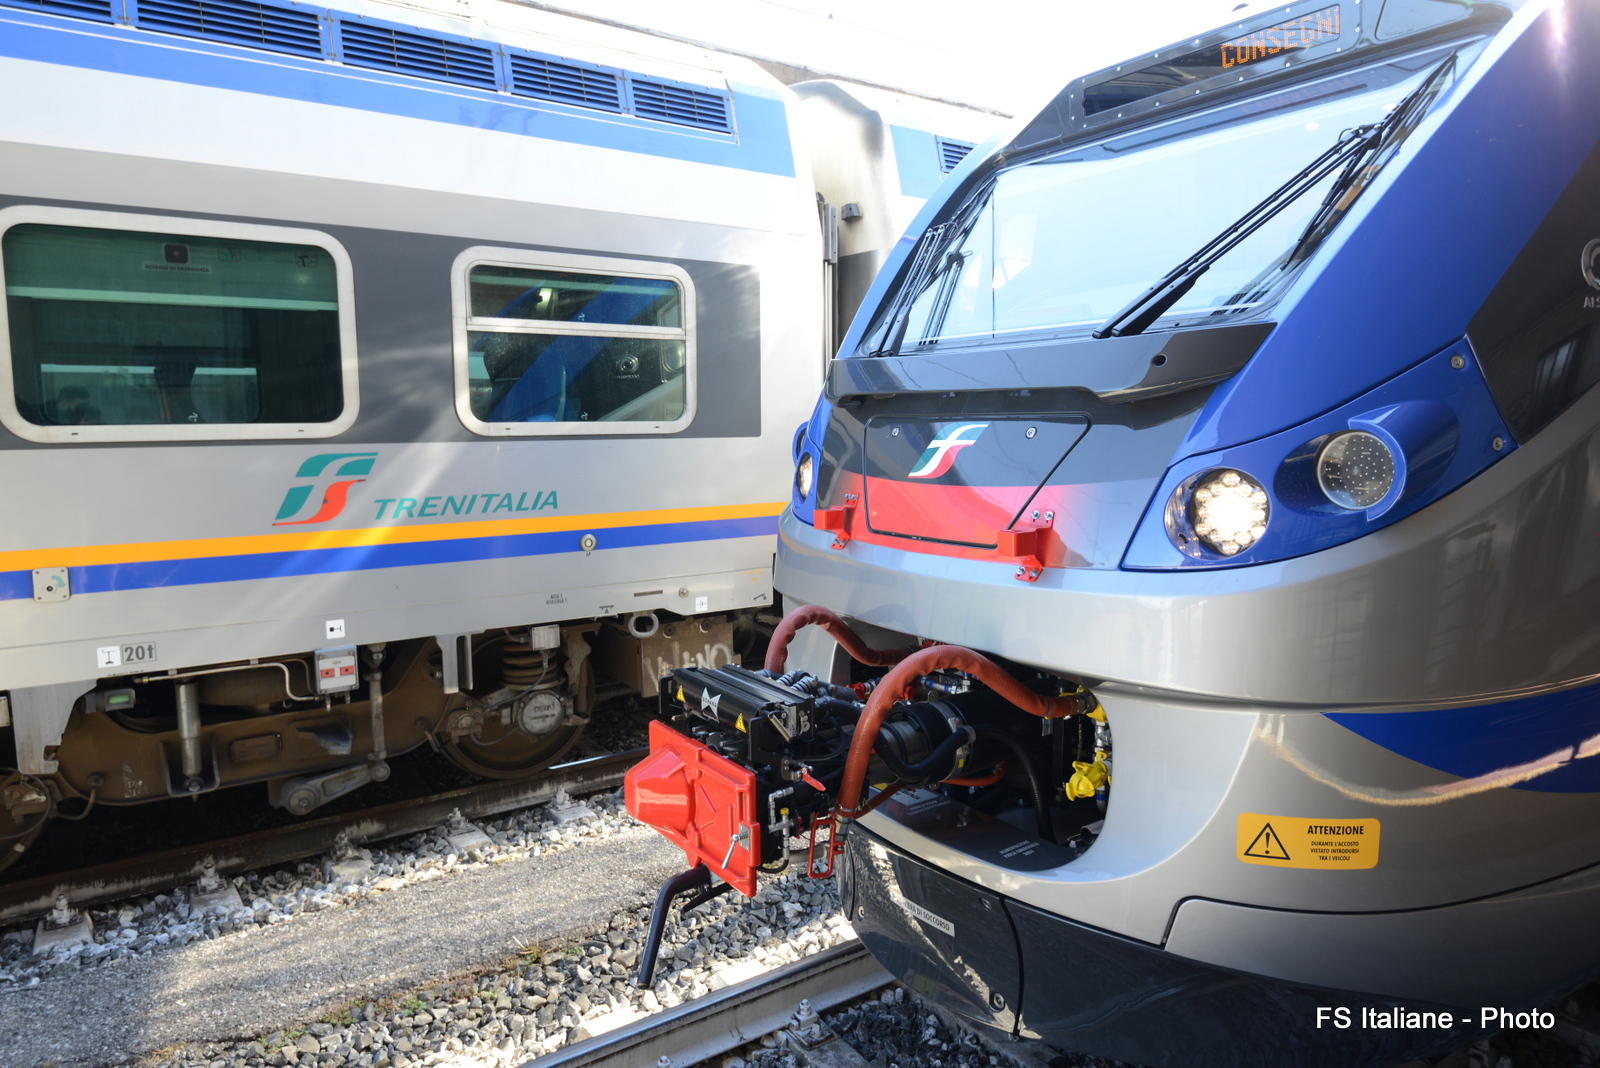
(924, 260)
(1361, 169)
(1355, 149)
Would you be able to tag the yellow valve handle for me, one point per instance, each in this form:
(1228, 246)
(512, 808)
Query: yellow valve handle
(1086, 779)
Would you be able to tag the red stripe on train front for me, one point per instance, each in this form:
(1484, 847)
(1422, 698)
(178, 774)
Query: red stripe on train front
(971, 515)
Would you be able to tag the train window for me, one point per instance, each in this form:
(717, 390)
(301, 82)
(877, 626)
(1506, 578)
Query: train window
(1060, 244)
(136, 328)
(550, 343)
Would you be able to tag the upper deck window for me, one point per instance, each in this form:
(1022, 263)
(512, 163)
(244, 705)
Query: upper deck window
(556, 344)
(117, 330)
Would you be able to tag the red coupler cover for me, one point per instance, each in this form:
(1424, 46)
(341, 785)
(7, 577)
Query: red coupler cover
(700, 801)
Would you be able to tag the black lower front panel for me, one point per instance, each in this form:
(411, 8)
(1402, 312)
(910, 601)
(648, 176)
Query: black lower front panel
(946, 939)
(1083, 989)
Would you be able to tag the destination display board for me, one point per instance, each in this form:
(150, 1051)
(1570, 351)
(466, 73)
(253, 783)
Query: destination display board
(1260, 45)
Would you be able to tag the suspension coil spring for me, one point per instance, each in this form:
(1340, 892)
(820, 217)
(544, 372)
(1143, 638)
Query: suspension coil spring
(524, 667)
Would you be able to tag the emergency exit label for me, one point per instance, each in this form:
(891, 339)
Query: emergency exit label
(1298, 842)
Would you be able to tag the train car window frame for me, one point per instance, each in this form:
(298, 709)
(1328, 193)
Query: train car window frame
(11, 416)
(463, 324)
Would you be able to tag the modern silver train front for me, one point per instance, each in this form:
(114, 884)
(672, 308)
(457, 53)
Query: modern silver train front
(1313, 513)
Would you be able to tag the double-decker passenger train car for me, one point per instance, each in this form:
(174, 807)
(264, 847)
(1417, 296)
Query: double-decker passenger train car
(379, 375)
(1226, 438)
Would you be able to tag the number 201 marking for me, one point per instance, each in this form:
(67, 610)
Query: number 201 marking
(109, 656)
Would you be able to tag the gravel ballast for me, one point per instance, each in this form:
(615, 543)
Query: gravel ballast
(445, 948)
(310, 950)
(541, 1002)
(467, 948)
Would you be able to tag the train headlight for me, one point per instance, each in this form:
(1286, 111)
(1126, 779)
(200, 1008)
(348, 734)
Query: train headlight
(1355, 470)
(802, 476)
(1228, 511)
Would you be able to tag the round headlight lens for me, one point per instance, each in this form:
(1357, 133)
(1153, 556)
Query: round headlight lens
(1228, 511)
(1355, 470)
(802, 476)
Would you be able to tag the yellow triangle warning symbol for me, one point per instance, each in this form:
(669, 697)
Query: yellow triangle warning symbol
(1267, 845)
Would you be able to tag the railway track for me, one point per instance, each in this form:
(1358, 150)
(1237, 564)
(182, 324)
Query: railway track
(28, 898)
(732, 1017)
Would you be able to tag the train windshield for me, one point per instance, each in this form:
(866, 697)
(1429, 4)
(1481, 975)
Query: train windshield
(1056, 247)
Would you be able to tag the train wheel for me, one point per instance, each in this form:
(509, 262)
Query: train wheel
(501, 752)
(497, 749)
(18, 832)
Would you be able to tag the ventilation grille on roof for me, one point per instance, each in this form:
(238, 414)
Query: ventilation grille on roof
(386, 48)
(288, 27)
(680, 104)
(568, 83)
(279, 29)
(951, 153)
(82, 9)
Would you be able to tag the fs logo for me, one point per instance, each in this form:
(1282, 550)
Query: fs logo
(940, 455)
(331, 473)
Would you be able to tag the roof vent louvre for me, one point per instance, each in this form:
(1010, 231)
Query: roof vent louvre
(565, 83)
(951, 153)
(423, 55)
(99, 10)
(279, 29)
(680, 105)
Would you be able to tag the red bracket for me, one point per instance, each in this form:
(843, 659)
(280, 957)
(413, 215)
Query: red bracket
(1024, 543)
(837, 520)
(833, 846)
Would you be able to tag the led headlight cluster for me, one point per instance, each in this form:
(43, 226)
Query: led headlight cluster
(1372, 461)
(1228, 511)
(1355, 469)
(803, 475)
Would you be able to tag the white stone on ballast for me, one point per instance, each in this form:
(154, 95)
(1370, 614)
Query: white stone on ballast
(733, 974)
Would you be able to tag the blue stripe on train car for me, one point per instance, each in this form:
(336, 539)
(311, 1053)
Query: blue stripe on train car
(155, 574)
(761, 144)
(1469, 742)
(916, 157)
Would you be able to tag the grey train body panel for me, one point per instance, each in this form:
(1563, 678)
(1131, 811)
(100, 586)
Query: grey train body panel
(172, 544)
(1543, 936)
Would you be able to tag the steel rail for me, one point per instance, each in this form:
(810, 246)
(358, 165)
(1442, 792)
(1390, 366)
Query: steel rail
(730, 1017)
(29, 898)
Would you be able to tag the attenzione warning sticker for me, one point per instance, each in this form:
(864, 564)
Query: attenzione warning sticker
(1298, 842)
